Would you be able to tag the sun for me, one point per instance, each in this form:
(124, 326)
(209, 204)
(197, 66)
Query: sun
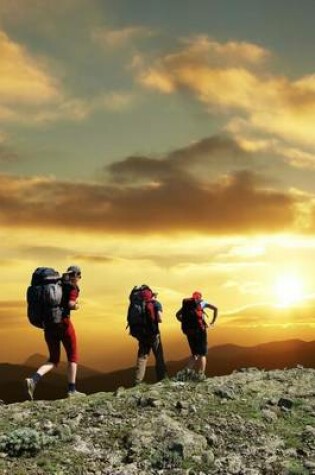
(289, 289)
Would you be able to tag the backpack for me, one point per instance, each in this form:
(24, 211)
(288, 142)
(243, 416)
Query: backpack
(44, 297)
(141, 316)
(190, 320)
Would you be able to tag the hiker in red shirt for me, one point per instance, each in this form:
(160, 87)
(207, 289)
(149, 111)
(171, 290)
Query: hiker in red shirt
(63, 332)
(194, 326)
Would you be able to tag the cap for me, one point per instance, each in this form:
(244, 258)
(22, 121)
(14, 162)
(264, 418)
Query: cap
(74, 270)
(197, 295)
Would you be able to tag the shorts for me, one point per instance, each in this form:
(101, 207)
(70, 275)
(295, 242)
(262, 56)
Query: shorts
(61, 333)
(198, 342)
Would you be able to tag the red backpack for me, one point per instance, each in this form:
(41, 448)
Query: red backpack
(191, 316)
(141, 319)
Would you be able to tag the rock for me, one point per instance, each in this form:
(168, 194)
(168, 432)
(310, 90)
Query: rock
(182, 405)
(285, 403)
(119, 391)
(234, 464)
(224, 393)
(309, 433)
(291, 453)
(208, 457)
(269, 416)
(249, 370)
(212, 439)
(48, 426)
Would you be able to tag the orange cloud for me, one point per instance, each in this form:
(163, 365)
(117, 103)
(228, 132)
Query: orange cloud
(23, 79)
(219, 77)
(175, 201)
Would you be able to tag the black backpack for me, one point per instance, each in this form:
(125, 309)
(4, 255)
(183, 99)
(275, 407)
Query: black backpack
(44, 297)
(139, 319)
(189, 315)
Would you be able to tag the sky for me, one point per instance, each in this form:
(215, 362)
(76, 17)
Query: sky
(167, 143)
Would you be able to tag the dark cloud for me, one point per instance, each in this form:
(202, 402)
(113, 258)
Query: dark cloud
(94, 259)
(176, 193)
(215, 152)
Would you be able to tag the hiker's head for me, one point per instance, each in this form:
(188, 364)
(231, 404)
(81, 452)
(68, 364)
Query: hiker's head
(74, 273)
(197, 295)
(146, 294)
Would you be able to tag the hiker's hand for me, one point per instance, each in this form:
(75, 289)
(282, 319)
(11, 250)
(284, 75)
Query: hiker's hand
(76, 306)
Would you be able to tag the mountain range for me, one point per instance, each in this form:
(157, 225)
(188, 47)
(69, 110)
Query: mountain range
(222, 360)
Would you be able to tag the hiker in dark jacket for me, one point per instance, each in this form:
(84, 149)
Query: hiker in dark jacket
(63, 332)
(148, 333)
(193, 318)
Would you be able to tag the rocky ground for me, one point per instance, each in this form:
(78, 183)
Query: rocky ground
(249, 423)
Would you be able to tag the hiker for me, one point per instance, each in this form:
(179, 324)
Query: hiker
(144, 316)
(193, 321)
(58, 327)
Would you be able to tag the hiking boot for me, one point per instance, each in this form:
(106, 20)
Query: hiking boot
(30, 387)
(185, 374)
(75, 394)
(199, 377)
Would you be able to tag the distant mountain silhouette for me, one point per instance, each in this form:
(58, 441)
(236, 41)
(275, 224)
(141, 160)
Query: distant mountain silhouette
(222, 360)
(36, 360)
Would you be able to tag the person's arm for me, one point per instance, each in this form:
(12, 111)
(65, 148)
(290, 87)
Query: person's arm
(179, 314)
(73, 296)
(215, 312)
(159, 311)
(159, 316)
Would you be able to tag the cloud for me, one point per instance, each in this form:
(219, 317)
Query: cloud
(201, 48)
(44, 252)
(155, 195)
(23, 79)
(116, 38)
(7, 155)
(93, 258)
(220, 77)
(264, 315)
(31, 94)
(213, 153)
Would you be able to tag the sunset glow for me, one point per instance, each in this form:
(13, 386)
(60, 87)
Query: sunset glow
(167, 143)
(289, 289)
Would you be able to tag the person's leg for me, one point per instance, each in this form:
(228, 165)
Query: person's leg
(143, 354)
(202, 349)
(157, 349)
(53, 343)
(192, 360)
(69, 342)
(45, 368)
(203, 364)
